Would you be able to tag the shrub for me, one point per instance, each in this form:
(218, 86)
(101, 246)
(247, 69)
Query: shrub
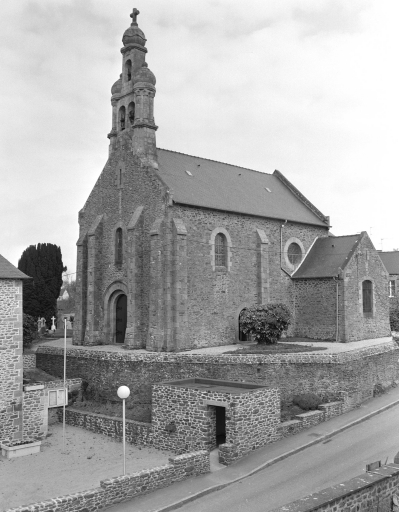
(307, 401)
(29, 330)
(265, 322)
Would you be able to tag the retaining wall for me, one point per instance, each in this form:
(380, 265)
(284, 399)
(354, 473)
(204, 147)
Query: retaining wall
(366, 493)
(329, 375)
(124, 488)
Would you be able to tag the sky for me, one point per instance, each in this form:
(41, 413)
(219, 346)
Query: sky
(308, 87)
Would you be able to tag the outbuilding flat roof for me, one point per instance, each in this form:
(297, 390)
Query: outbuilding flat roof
(221, 386)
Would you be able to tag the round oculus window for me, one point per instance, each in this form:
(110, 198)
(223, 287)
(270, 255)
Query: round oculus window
(294, 254)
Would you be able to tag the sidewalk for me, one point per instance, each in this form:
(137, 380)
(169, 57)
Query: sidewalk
(170, 498)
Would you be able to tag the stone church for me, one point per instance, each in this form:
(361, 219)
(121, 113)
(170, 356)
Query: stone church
(173, 247)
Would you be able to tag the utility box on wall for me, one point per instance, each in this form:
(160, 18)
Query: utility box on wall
(202, 414)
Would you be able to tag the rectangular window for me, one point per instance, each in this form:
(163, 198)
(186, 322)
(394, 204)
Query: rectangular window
(391, 288)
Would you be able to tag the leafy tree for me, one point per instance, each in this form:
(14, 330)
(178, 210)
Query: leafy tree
(265, 322)
(44, 264)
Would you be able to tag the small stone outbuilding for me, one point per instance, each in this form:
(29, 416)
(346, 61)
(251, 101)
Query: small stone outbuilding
(202, 414)
(340, 291)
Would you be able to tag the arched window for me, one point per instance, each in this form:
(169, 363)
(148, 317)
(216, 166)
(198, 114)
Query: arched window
(122, 121)
(220, 250)
(367, 292)
(294, 254)
(131, 112)
(128, 67)
(119, 246)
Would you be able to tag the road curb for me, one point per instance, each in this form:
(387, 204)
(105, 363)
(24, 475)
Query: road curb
(214, 488)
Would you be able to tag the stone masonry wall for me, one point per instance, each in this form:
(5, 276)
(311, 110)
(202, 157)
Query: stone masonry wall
(10, 359)
(366, 264)
(136, 432)
(182, 420)
(216, 297)
(124, 488)
(35, 415)
(366, 493)
(315, 308)
(29, 361)
(355, 372)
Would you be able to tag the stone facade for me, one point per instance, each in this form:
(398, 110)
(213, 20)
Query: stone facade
(124, 488)
(368, 492)
(354, 373)
(11, 360)
(184, 416)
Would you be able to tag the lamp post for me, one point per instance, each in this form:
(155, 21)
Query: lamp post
(123, 392)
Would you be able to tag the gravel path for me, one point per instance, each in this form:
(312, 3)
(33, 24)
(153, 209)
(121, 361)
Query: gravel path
(88, 458)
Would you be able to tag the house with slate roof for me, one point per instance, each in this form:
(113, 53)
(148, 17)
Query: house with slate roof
(391, 262)
(173, 247)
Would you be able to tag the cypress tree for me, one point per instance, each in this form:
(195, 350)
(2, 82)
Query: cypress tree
(44, 264)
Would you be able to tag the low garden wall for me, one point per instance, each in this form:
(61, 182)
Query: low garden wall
(136, 432)
(329, 375)
(124, 488)
(366, 493)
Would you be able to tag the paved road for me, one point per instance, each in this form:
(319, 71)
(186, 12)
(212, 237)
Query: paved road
(334, 461)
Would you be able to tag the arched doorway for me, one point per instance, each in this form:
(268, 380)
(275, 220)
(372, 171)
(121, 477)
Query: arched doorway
(120, 319)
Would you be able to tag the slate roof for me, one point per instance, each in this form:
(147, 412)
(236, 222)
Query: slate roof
(327, 256)
(231, 188)
(8, 271)
(391, 261)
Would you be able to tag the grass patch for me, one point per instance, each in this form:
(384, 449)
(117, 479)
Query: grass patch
(32, 375)
(278, 348)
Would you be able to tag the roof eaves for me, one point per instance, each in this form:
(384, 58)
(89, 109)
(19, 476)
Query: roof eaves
(198, 205)
(301, 197)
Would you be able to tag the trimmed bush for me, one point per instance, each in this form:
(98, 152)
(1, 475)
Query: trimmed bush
(265, 322)
(307, 401)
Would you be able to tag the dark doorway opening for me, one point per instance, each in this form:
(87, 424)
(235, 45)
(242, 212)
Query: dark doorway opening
(220, 425)
(121, 318)
(241, 335)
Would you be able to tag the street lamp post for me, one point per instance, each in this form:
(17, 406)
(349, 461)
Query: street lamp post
(123, 392)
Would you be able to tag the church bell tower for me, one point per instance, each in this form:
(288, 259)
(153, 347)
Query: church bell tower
(132, 98)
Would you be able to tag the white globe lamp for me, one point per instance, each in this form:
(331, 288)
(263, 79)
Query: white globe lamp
(123, 393)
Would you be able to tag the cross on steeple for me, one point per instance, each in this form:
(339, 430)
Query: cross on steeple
(134, 15)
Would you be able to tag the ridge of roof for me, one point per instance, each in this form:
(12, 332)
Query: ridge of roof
(216, 161)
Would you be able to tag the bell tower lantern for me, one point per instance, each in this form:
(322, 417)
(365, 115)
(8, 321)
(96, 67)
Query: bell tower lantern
(132, 97)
